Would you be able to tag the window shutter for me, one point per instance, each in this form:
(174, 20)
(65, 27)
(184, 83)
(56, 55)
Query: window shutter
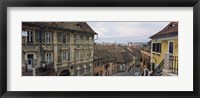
(159, 47)
(43, 37)
(154, 46)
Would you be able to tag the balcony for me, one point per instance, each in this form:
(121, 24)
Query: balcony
(168, 66)
(29, 48)
(43, 70)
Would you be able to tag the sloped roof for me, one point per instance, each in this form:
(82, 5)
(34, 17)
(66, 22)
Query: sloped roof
(118, 55)
(73, 26)
(123, 56)
(170, 30)
(126, 56)
(103, 54)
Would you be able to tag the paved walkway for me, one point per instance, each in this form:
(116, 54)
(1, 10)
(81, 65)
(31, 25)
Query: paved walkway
(133, 72)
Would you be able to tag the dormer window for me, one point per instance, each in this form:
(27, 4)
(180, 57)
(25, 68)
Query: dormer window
(78, 25)
(173, 25)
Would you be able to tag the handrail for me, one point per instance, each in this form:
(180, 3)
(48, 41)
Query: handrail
(174, 66)
(158, 68)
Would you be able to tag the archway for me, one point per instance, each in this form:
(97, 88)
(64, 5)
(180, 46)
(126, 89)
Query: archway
(64, 73)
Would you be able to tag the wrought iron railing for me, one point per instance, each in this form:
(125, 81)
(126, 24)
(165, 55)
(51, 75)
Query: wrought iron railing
(158, 70)
(174, 66)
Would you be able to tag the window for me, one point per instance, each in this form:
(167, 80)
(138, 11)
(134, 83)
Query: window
(85, 69)
(69, 54)
(81, 37)
(48, 58)
(90, 40)
(79, 55)
(30, 37)
(30, 59)
(87, 39)
(64, 38)
(68, 38)
(171, 47)
(48, 38)
(64, 56)
(84, 39)
(157, 47)
(24, 36)
(77, 39)
(89, 54)
(90, 69)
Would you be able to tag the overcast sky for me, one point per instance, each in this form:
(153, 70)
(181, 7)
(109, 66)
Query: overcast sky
(123, 32)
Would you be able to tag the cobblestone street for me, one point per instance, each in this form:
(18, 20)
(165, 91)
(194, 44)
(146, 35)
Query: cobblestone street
(133, 72)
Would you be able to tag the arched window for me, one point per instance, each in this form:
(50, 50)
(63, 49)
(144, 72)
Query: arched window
(65, 73)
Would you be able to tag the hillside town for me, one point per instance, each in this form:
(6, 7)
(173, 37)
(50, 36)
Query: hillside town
(70, 49)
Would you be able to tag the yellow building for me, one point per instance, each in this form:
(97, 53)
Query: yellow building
(164, 50)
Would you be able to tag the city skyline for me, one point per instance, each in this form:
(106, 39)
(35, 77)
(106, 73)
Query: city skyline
(123, 32)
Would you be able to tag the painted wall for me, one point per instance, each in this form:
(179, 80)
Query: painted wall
(158, 57)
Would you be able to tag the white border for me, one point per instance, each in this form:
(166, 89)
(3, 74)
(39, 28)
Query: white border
(184, 82)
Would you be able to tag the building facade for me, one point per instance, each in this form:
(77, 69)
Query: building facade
(66, 47)
(104, 63)
(124, 60)
(164, 51)
(145, 64)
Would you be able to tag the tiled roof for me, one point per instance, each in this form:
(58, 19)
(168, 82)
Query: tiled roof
(170, 30)
(73, 26)
(123, 56)
(126, 56)
(119, 54)
(119, 57)
(104, 55)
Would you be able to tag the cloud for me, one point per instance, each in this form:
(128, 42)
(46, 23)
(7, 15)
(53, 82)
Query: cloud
(126, 31)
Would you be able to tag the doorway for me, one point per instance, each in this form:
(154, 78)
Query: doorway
(30, 61)
(65, 73)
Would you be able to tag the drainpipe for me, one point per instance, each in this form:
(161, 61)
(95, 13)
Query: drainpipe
(40, 33)
(41, 50)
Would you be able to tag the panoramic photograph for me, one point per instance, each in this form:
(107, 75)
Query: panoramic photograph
(100, 48)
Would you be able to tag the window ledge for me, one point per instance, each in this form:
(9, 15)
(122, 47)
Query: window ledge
(156, 53)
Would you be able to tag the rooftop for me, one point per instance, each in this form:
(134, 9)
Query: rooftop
(71, 26)
(170, 30)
